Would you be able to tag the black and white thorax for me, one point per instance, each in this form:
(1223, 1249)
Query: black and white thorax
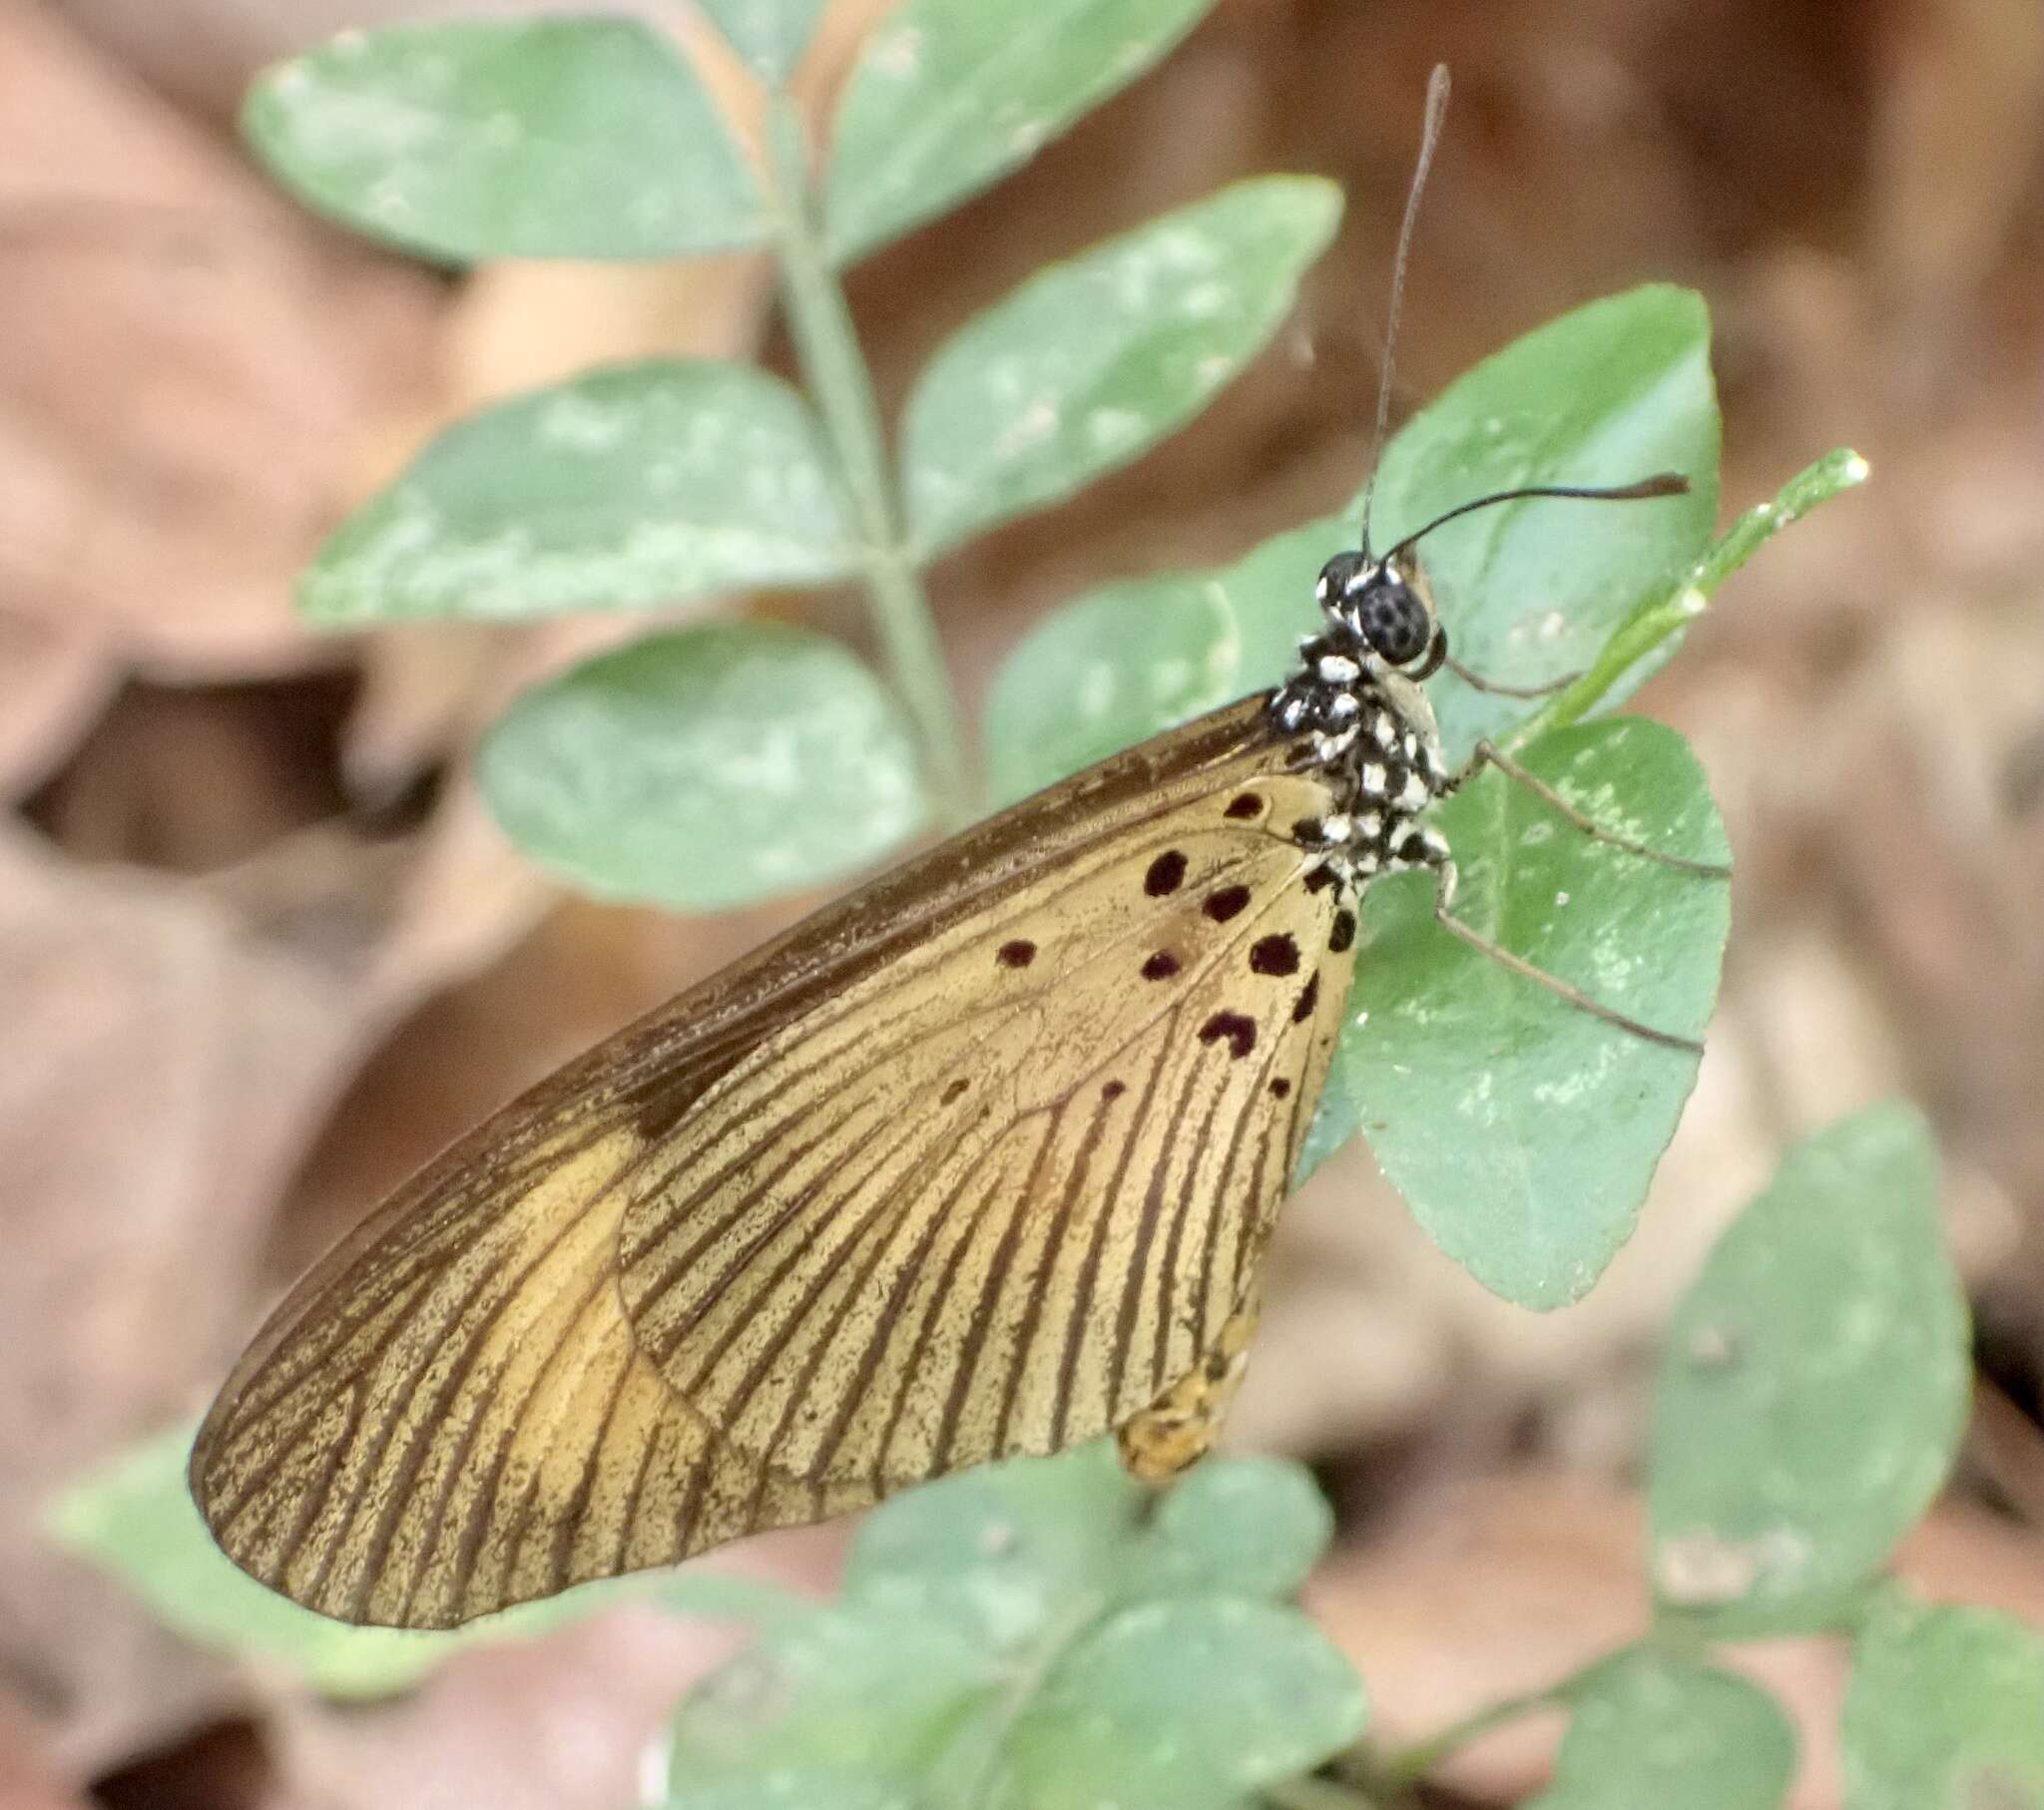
(1359, 714)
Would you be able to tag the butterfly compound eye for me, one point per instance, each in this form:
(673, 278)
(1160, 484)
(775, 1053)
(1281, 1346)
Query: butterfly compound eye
(1394, 622)
(1336, 576)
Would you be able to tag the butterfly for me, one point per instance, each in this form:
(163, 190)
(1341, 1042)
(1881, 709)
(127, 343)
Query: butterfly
(978, 1161)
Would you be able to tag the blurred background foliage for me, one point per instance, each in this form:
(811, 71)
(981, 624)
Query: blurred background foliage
(262, 952)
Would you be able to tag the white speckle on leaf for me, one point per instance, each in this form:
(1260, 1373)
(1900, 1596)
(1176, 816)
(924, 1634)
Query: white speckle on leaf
(1027, 136)
(1691, 600)
(578, 423)
(1108, 428)
(1216, 368)
(897, 54)
(1561, 898)
(1856, 470)
(1553, 626)
(1204, 300)
(1027, 431)
(1536, 834)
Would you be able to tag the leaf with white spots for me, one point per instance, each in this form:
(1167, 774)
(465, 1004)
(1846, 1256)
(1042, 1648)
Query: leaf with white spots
(486, 137)
(1814, 1386)
(1946, 1708)
(1093, 360)
(949, 95)
(1046, 1632)
(1190, 1702)
(1672, 1734)
(1521, 1129)
(770, 35)
(632, 486)
(704, 768)
(1612, 392)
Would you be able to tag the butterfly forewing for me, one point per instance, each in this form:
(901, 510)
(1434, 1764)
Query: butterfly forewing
(762, 1258)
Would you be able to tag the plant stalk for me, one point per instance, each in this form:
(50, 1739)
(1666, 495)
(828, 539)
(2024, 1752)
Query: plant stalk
(1670, 612)
(820, 325)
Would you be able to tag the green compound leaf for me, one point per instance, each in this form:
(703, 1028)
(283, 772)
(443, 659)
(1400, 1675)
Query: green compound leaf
(768, 35)
(1814, 1386)
(704, 768)
(133, 1517)
(1092, 361)
(1529, 591)
(631, 486)
(1041, 1633)
(1476, 1088)
(1672, 1735)
(1191, 1703)
(949, 95)
(1945, 1711)
(549, 138)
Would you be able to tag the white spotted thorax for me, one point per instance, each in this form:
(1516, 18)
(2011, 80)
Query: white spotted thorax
(1358, 709)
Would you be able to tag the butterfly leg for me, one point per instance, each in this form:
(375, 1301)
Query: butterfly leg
(1176, 1431)
(1443, 898)
(1488, 753)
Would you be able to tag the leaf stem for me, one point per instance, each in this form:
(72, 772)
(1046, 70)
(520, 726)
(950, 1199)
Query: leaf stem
(825, 339)
(1399, 1772)
(1669, 612)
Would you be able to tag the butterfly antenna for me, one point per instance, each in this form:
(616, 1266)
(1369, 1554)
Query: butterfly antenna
(1429, 137)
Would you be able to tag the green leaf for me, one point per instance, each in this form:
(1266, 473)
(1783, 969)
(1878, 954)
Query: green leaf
(1118, 665)
(479, 137)
(858, 1691)
(1672, 1733)
(1092, 361)
(1612, 392)
(947, 96)
(1187, 1703)
(1945, 1712)
(1006, 1553)
(704, 768)
(770, 35)
(1474, 1085)
(1253, 1526)
(631, 486)
(133, 1517)
(1814, 1386)
(800, 1788)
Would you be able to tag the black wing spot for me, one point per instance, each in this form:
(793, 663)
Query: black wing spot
(1274, 954)
(1309, 832)
(1309, 1001)
(1161, 966)
(1318, 877)
(1344, 932)
(952, 1090)
(1240, 1030)
(1016, 954)
(1167, 873)
(1223, 905)
(1113, 1090)
(1280, 1088)
(1244, 805)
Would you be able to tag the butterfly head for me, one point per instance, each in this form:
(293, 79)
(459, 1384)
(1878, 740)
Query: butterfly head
(1382, 606)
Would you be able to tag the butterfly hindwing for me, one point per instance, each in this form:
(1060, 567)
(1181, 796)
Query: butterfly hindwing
(760, 1258)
